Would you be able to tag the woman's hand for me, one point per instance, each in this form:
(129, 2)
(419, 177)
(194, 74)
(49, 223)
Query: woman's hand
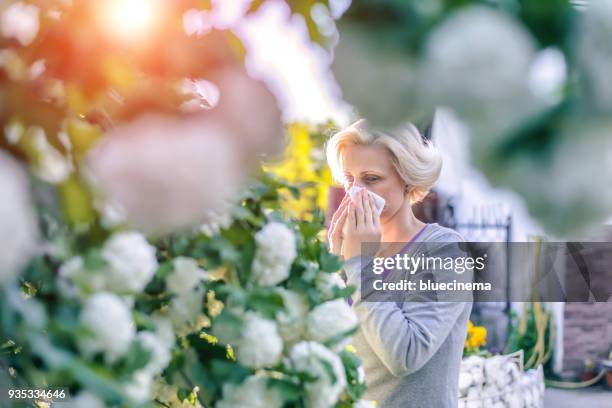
(363, 226)
(334, 234)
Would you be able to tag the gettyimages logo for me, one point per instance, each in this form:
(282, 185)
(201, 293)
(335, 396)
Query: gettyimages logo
(490, 272)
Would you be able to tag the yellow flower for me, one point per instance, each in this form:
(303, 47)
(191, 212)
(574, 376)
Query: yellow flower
(479, 336)
(350, 348)
(470, 327)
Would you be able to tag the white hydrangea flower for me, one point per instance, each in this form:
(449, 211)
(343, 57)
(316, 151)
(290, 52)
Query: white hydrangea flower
(160, 353)
(75, 281)
(17, 219)
(268, 273)
(330, 319)
(21, 21)
(259, 345)
(131, 261)
(164, 331)
(140, 388)
(110, 321)
(185, 277)
(159, 343)
(253, 392)
(314, 358)
(82, 399)
(326, 282)
(292, 319)
(276, 250)
(185, 311)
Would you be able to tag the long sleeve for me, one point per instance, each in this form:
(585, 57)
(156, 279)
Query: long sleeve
(403, 337)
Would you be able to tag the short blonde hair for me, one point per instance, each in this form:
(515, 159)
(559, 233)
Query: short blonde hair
(416, 160)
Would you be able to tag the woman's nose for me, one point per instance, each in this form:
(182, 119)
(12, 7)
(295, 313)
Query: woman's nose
(352, 184)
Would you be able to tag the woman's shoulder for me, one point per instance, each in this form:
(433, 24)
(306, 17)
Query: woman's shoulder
(439, 233)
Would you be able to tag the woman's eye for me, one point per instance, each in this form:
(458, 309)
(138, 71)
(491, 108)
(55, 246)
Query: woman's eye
(371, 179)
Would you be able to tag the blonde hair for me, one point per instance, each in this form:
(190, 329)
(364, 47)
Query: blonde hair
(416, 160)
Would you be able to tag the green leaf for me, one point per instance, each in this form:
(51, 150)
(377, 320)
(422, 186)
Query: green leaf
(330, 370)
(266, 301)
(136, 358)
(338, 338)
(226, 326)
(227, 371)
(290, 391)
(164, 270)
(329, 262)
(93, 260)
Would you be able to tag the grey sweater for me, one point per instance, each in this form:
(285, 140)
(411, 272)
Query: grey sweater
(411, 351)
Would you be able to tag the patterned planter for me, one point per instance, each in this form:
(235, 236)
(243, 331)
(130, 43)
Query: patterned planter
(500, 382)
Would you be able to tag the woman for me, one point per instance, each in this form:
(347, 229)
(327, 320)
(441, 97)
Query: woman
(411, 351)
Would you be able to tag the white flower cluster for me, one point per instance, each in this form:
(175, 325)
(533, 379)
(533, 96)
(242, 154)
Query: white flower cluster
(109, 320)
(259, 345)
(329, 320)
(17, 219)
(253, 392)
(131, 262)
(185, 309)
(316, 359)
(159, 344)
(112, 331)
(327, 282)
(276, 250)
(497, 382)
(20, 21)
(292, 319)
(130, 265)
(185, 277)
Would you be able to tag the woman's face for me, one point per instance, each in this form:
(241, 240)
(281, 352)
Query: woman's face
(371, 167)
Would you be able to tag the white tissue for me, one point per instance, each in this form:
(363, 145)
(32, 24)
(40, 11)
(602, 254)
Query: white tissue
(379, 202)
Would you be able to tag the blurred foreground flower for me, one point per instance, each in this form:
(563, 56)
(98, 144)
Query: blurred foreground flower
(17, 219)
(594, 52)
(477, 61)
(20, 21)
(165, 173)
(364, 67)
